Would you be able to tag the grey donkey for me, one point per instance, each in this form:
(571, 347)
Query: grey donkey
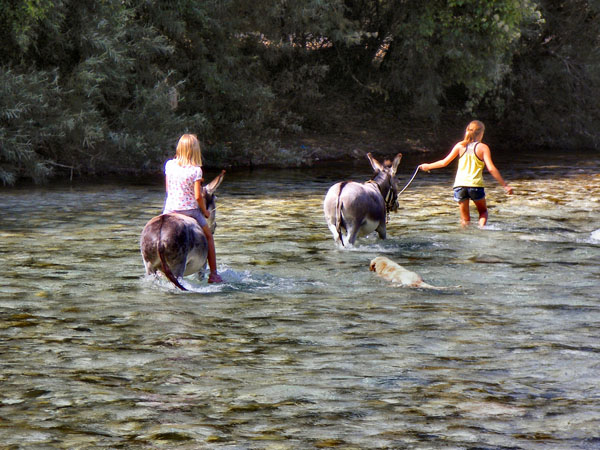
(361, 208)
(175, 245)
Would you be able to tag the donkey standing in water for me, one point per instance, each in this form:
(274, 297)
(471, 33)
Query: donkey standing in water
(361, 208)
(175, 245)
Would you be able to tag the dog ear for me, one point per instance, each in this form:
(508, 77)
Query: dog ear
(372, 267)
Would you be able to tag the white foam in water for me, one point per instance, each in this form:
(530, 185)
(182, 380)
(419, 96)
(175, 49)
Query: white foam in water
(245, 279)
(232, 280)
(161, 282)
(230, 277)
(595, 235)
(493, 227)
(203, 287)
(370, 244)
(369, 248)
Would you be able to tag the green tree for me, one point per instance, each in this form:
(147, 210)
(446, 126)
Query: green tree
(99, 86)
(421, 57)
(223, 88)
(553, 91)
(83, 90)
(435, 54)
(28, 96)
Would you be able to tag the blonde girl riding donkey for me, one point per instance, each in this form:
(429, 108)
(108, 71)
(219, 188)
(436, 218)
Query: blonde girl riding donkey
(184, 192)
(473, 155)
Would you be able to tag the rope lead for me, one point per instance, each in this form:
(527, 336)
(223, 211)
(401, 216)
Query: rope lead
(411, 180)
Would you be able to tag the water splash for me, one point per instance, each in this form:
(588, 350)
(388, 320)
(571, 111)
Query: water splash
(233, 280)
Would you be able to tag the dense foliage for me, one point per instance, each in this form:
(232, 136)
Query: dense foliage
(553, 89)
(106, 86)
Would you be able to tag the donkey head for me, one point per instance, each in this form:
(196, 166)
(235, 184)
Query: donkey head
(210, 200)
(385, 178)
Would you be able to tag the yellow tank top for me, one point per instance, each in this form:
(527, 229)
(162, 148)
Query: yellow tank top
(470, 168)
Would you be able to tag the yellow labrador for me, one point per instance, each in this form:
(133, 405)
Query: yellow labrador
(394, 272)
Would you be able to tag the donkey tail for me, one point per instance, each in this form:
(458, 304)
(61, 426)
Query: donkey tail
(338, 213)
(160, 247)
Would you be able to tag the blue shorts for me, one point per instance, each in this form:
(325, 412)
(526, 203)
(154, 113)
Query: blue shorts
(196, 214)
(466, 193)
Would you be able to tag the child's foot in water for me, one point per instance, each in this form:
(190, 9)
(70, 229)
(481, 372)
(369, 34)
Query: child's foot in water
(214, 277)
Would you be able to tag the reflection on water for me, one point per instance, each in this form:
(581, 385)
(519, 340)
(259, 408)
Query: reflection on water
(303, 347)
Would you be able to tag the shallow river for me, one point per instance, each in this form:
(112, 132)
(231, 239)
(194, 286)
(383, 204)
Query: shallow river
(302, 346)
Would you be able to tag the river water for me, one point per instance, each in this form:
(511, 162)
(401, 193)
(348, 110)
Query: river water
(302, 346)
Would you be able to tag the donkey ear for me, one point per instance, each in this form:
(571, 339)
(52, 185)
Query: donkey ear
(214, 184)
(377, 167)
(396, 163)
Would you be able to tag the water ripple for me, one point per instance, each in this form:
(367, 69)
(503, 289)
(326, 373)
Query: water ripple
(303, 346)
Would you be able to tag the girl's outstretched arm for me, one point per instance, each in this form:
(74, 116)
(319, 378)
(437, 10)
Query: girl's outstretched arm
(442, 162)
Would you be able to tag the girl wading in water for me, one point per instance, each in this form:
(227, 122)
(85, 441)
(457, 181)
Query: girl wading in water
(473, 156)
(184, 192)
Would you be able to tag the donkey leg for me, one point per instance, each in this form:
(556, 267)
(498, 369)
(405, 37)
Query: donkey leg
(179, 270)
(150, 270)
(336, 236)
(331, 220)
(202, 272)
(381, 230)
(352, 233)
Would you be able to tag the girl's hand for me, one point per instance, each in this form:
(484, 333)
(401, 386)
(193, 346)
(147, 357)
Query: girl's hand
(423, 167)
(508, 189)
(206, 213)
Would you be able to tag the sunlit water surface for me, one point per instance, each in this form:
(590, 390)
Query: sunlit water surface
(303, 346)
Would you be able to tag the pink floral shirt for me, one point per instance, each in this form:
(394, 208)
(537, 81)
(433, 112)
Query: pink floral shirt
(180, 186)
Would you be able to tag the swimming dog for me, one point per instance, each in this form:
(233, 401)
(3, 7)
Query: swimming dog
(394, 272)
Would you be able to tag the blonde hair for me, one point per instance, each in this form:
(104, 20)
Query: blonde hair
(188, 151)
(474, 132)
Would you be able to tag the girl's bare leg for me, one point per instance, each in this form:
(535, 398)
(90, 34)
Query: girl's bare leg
(212, 255)
(465, 216)
(483, 212)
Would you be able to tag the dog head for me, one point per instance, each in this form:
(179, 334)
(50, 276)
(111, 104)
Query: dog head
(377, 264)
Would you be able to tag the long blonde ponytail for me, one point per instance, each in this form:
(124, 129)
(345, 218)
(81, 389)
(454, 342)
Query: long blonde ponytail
(474, 132)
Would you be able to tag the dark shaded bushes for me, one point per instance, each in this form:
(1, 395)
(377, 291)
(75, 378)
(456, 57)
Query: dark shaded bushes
(94, 87)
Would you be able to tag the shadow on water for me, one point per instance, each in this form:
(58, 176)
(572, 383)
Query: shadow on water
(303, 346)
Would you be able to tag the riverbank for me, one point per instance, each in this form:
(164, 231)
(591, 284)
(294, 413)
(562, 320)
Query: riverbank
(341, 135)
(348, 135)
